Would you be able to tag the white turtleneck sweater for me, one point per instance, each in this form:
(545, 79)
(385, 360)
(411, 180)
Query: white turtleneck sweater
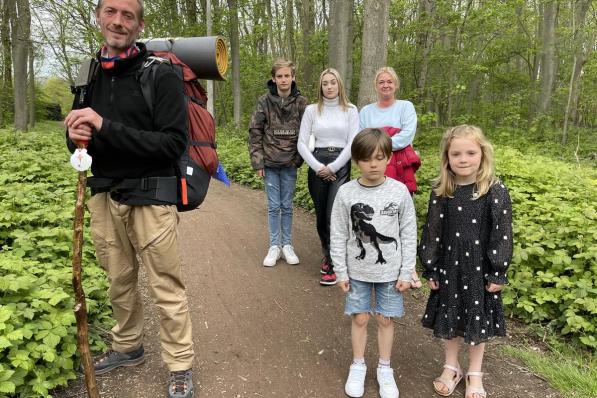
(332, 128)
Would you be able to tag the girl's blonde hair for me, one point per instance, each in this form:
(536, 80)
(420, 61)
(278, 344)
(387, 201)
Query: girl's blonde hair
(444, 184)
(342, 98)
(390, 71)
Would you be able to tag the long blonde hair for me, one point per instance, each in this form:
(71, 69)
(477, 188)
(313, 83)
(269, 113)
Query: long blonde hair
(342, 98)
(444, 184)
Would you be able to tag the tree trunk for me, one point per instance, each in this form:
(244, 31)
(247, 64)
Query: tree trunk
(340, 38)
(31, 111)
(235, 54)
(20, 39)
(580, 58)
(270, 29)
(6, 81)
(280, 47)
(306, 9)
(290, 30)
(425, 43)
(374, 48)
(548, 59)
(191, 11)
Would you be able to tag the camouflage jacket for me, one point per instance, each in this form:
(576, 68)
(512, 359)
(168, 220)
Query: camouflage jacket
(274, 128)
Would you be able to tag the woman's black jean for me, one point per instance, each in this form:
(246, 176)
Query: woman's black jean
(323, 194)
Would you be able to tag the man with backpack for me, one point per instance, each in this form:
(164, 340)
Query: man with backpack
(130, 142)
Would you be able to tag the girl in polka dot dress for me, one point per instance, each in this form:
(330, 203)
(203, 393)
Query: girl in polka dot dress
(465, 249)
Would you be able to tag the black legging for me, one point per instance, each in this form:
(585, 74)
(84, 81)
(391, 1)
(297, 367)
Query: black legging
(323, 194)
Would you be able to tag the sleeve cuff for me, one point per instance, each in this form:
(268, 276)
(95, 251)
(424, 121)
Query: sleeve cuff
(498, 280)
(431, 275)
(342, 276)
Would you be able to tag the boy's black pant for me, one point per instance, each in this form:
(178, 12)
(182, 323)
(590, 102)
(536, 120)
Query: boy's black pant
(323, 194)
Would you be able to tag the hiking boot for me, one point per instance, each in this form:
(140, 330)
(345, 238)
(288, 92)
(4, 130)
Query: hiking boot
(111, 359)
(273, 255)
(355, 383)
(325, 266)
(328, 279)
(289, 255)
(387, 384)
(181, 384)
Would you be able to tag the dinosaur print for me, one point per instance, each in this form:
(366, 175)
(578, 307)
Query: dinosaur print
(360, 213)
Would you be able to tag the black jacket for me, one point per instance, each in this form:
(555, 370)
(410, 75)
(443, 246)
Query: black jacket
(133, 142)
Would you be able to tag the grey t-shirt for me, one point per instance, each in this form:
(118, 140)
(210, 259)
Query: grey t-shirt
(373, 232)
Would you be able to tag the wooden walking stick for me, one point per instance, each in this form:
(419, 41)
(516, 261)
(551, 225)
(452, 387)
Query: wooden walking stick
(81, 161)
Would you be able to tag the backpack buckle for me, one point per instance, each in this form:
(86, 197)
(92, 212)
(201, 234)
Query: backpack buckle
(153, 59)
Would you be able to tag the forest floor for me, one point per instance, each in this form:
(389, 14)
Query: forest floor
(275, 332)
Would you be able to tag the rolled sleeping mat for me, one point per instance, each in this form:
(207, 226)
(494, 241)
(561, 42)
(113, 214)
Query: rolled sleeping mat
(206, 56)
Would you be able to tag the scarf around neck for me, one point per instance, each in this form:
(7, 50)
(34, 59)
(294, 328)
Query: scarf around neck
(109, 62)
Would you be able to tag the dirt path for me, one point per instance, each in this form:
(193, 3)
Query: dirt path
(275, 332)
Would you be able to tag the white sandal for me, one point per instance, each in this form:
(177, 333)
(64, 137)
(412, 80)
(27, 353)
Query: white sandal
(470, 390)
(449, 383)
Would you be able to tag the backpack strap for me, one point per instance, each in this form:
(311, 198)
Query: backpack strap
(147, 76)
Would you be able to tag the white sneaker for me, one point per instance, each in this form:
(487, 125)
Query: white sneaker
(355, 383)
(273, 255)
(289, 255)
(387, 384)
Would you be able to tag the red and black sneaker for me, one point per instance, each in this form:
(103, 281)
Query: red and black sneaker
(325, 266)
(328, 279)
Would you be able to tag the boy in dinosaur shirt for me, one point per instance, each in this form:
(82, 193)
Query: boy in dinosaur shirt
(373, 247)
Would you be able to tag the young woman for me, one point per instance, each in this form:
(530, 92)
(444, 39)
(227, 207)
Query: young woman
(333, 121)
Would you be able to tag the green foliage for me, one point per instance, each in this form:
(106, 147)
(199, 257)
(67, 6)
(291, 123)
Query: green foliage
(553, 277)
(38, 348)
(57, 90)
(571, 372)
(554, 271)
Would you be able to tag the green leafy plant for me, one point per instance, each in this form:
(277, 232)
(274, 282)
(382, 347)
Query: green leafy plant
(38, 349)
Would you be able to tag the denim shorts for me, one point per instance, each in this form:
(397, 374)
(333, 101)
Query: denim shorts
(388, 300)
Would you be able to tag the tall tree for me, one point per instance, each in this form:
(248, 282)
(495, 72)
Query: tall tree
(235, 53)
(425, 40)
(31, 87)
(581, 54)
(20, 38)
(191, 11)
(340, 39)
(548, 59)
(289, 25)
(306, 11)
(374, 48)
(6, 81)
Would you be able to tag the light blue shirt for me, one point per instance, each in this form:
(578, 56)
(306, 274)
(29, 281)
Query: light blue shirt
(401, 114)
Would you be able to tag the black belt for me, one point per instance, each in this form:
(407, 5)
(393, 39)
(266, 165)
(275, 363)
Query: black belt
(160, 188)
(329, 149)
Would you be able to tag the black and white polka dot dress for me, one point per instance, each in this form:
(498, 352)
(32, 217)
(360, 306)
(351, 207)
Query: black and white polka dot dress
(466, 244)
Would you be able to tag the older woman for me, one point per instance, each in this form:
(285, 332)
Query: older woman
(333, 121)
(399, 119)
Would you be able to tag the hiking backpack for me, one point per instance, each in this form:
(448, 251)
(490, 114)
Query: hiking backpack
(200, 160)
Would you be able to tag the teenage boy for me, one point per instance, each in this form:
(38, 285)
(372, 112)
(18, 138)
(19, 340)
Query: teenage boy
(135, 226)
(273, 135)
(373, 248)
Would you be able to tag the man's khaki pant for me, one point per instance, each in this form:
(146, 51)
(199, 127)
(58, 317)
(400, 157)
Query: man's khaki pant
(120, 234)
